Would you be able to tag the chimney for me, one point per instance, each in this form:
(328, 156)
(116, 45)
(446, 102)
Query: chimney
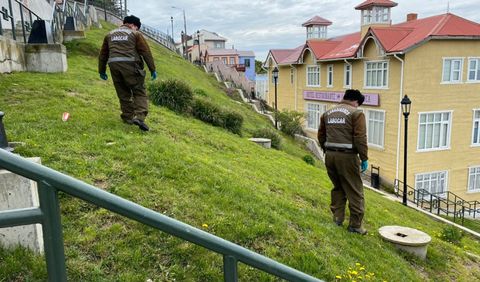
(411, 17)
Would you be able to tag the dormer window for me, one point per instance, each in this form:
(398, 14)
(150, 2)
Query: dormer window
(376, 15)
(317, 32)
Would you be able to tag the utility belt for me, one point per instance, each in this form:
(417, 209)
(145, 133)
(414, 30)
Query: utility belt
(350, 151)
(121, 59)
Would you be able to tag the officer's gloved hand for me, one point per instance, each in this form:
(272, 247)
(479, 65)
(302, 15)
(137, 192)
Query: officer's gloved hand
(103, 76)
(154, 75)
(364, 166)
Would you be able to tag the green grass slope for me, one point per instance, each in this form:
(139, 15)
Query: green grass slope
(266, 200)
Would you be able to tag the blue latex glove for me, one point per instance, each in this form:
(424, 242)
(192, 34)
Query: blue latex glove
(154, 75)
(364, 165)
(103, 76)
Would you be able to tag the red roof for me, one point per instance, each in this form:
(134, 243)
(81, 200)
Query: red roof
(396, 38)
(401, 37)
(370, 3)
(317, 21)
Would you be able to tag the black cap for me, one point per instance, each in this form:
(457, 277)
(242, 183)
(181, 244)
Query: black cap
(354, 95)
(132, 20)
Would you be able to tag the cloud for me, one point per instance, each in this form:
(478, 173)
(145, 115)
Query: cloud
(261, 25)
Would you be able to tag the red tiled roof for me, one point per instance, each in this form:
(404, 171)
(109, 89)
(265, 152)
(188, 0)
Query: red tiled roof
(370, 3)
(317, 21)
(396, 38)
(403, 36)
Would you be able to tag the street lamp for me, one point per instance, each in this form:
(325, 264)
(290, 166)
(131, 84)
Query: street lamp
(198, 45)
(275, 78)
(171, 20)
(185, 29)
(406, 105)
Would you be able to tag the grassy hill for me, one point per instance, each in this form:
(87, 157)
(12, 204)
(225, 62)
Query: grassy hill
(269, 201)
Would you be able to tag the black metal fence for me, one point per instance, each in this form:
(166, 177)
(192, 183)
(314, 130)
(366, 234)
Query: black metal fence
(9, 14)
(159, 36)
(445, 204)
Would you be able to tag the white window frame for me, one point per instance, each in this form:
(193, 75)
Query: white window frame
(330, 76)
(451, 73)
(316, 31)
(376, 15)
(308, 72)
(384, 76)
(448, 133)
(430, 173)
(475, 122)
(347, 74)
(475, 172)
(476, 71)
(382, 125)
(317, 115)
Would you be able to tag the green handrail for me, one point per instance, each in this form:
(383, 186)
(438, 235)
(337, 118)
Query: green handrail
(51, 181)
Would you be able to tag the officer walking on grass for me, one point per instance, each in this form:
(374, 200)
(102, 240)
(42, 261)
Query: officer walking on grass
(343, 136)
(125, 50)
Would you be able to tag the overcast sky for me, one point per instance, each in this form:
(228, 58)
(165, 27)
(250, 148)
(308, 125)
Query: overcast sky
(261, 25)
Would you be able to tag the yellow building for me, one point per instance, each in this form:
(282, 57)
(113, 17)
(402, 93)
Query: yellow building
(435, 61)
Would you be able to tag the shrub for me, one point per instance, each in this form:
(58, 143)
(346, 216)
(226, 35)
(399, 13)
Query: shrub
(233, 94)
(290, 122)
(200, 92)
(210, 113)
(309, 159)
(270, 134)
(233, 121)
(173, 94)
(452, 234)
(207, 112)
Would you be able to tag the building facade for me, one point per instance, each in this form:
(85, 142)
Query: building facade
(435, 61)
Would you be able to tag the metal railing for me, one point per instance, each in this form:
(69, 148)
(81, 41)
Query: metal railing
(444, 203)
(50, 182)
(158, 36)
(8, 15)
(230, 74)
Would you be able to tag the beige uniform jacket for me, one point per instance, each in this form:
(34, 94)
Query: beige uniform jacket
(344, 128)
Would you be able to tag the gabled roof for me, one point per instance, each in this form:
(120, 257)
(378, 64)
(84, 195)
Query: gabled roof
(317, 21)
(221, 52)
(403, 36)
(370, 3)
(246, 54)
(211, 36)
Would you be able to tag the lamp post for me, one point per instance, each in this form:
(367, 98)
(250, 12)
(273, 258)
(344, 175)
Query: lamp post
(275, 78)
(406, 104)
(184, 28)
(198, 45)
(171, 20)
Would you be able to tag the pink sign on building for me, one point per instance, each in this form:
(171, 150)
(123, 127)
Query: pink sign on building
(336, 96)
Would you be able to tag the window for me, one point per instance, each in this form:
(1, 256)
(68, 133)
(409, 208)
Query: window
(292, 75)
(330, 76)
(476, 128)
(474, 179)
(232, 60)
(434, 182)
(314, 113)
(452, 70)
(347, 82)
(376, 15)
(376, 127)
(224, 59)
(474, 70)
(247, 63)
(216, 58)
(434, 131)
(219, 45)
(316, 32)
(376, 74)
(313, 76)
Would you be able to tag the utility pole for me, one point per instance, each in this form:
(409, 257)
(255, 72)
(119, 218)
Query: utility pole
(171, 19)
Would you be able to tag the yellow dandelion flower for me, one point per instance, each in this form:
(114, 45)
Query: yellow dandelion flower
(205, 225)
(354, 272)
(357, 264)
(338, 277)
(362, 268)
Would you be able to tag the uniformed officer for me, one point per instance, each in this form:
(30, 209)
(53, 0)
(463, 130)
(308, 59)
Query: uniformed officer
(125, 50)
(343, 137)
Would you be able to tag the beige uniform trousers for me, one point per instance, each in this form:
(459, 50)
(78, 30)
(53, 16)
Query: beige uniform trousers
(129, 82)
(344, 172)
